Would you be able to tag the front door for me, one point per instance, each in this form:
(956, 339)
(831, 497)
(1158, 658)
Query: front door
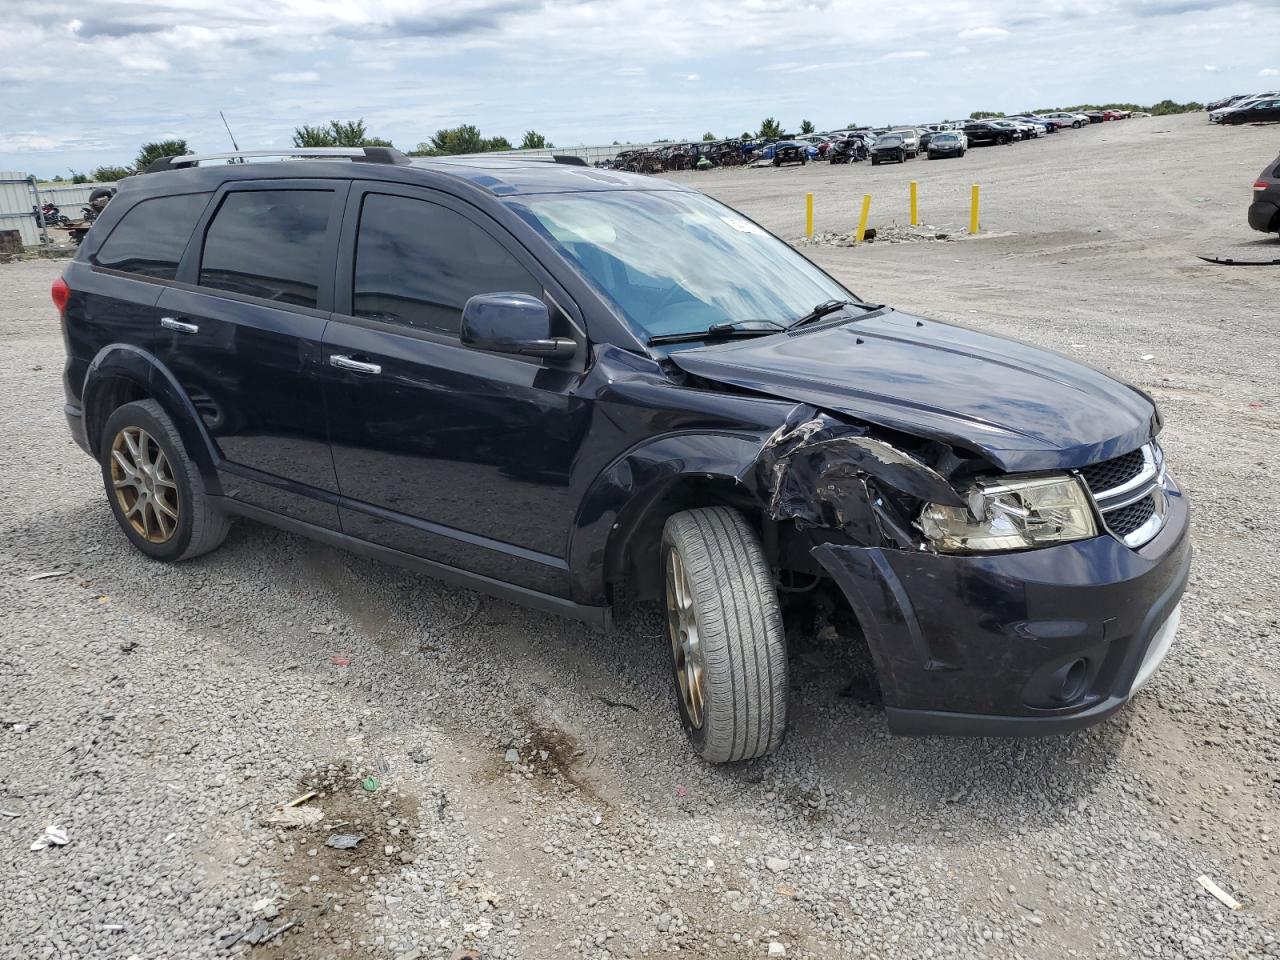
(242, 334)
(442, 451)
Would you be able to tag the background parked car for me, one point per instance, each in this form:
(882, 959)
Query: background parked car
(986, 132)
(946, 143)
(1264, 212)
(910, 140)
(1259, 110)
(790, 151)
(1075, 120)
(1015, 132)
(892, 147)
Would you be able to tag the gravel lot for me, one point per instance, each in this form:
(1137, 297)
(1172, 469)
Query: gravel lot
(163, 715)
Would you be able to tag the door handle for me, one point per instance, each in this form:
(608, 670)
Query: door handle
(355, 366)
(181, 326)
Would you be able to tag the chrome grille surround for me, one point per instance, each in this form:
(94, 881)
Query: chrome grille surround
(1133, 503)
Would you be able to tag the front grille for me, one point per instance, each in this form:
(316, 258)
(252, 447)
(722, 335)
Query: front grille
(1129, 492)
(1112, 473)
(1125, 520)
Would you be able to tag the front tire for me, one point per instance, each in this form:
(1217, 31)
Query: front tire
(728, 647)
(154, 489)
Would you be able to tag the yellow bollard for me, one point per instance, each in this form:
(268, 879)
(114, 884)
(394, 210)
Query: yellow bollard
(808, 214)
(915, 209)
(862, 220)
(973, 210)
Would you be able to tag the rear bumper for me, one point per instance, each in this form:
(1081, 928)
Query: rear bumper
(1019, 644)
(75, 423)
(1262, 215)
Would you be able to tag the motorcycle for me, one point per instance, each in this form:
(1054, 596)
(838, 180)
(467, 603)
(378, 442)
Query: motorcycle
(48, 215)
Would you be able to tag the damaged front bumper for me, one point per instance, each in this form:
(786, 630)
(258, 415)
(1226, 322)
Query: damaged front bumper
(1015, 644)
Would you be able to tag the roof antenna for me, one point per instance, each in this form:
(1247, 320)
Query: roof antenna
(234, 145)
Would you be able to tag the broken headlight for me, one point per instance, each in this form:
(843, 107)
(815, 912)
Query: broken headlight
(1011, 515)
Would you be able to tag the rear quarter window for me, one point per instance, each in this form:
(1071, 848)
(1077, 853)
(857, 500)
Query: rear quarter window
(150, 237)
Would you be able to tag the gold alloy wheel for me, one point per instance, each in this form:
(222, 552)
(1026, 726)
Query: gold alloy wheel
(144, 484)
(685, 647)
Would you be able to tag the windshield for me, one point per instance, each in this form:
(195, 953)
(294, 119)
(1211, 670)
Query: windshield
(676, 262)
(889, 140)
(944, 137)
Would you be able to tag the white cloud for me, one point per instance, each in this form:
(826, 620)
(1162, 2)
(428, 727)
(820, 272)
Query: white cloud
(1210, 68)
(304, 76)
(630, 71)
(906, 55)
(983, 33)
(959, 51)
(690, 77)
(1269, 72)
(146, 62)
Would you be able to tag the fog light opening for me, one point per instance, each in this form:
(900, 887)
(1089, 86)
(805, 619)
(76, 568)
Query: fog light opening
(1072, 680)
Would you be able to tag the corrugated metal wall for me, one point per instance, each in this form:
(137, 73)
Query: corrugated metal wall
(17, 197)
(19, 193)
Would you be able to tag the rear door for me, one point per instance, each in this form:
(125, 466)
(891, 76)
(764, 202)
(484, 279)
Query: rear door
(242, 331)
(445, 452)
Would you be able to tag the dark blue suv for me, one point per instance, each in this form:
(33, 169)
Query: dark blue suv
(565, 386)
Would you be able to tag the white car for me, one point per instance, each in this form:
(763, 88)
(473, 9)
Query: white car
(1076, 120)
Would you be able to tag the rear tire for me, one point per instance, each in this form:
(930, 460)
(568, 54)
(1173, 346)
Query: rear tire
(154, 489)
(728, 646)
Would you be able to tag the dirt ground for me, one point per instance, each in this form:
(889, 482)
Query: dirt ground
(165, 716)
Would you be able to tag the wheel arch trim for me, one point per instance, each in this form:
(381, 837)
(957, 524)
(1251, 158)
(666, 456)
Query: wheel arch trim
(626, 492)
(122, 361)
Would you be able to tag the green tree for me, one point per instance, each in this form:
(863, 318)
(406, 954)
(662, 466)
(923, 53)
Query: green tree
(111, 174)
(339, 133)
(154, 151)
(983, 115)
(465, 138)
(708, 137)
(770, 129)
(79, 177)
(535, 141)
(851, 125)
(806, 127)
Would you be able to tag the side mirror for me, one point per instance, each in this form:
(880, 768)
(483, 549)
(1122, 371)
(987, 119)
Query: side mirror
(512, 323)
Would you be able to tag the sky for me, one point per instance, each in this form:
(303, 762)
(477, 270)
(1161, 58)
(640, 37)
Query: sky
(85, 82)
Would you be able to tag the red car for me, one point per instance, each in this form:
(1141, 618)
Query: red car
(1115, 114)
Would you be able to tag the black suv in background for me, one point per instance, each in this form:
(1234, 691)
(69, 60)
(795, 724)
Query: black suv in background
(1264, 212)
(983, 132)
(563, 385)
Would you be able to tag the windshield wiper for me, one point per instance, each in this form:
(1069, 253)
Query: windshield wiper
(828, 307)
(719, 331)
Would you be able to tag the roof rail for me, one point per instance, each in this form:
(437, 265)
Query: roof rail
(354, 154)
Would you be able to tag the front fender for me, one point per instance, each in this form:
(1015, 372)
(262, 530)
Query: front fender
(121, 361)
(631, 485)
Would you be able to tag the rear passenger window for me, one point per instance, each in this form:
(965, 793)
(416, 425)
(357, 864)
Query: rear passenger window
(150, 237)
(268, 243)
(417, 263)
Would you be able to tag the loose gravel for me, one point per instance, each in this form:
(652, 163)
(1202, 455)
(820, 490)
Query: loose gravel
(520, 785)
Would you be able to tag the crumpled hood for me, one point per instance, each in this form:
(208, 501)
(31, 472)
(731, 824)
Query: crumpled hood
(1021, 407)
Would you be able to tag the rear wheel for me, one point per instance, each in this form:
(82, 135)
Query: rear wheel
(155, 491)
(728, 650)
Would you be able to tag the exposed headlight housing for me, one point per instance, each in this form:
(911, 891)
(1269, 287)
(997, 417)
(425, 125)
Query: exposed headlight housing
(1033, 511)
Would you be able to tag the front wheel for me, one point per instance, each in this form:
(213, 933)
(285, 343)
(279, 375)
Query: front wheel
(728, 649)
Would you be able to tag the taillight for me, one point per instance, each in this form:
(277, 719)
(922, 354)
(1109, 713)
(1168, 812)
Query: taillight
(1261, 185)
(60, 293)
